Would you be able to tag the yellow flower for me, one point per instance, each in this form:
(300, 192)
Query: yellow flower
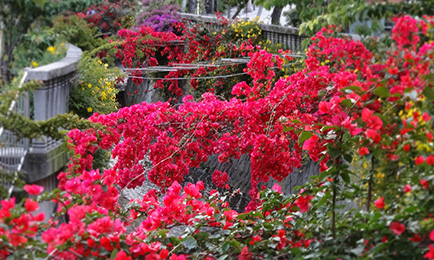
(51, 49)
(89, 109)
(34, 63)
(89, 85)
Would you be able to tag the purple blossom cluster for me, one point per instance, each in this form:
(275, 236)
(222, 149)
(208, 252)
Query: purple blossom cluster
(160, 19)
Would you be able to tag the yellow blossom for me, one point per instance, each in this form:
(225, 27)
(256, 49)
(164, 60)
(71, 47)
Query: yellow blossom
(51, 49)
(35, 64)
(89, 109)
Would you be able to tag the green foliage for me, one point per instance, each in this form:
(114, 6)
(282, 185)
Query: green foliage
(77, 31)
(39, 47)
(16, 19)
(94, 91)
(312, 15)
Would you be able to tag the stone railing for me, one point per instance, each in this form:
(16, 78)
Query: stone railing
(287, 37)
(40, 159)
(13, 150)
(47, 156)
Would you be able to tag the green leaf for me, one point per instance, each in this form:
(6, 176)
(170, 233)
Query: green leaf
(333, 152)
(346, 102)
(382, 92)
(304, 136)
(287, 129)
(322, 175)
(225, 246)
(39, 3)
(429, 93)
(113, 254)
(351, 89)
(346, 177)
(174, 240)
(189, 242)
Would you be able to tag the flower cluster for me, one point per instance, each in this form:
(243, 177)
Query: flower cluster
(109, 16)
(160, 19)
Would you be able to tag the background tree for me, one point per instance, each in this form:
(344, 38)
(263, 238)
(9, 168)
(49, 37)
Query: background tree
(16, 19)
(16, 16)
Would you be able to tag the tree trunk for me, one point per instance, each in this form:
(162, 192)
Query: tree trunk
(240, 7)
(275, 15)
(5, 61)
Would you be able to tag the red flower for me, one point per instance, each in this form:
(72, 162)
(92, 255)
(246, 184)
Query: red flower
(406, 148)
(393, 71)
(16, 240)
(106, 243)
(419, 160)
(430, 160)
(430, 253)
(179, 257)
(426, 117)
(122, 256)
(31, 205)
(397, 228)
(407, 188)
(164, 253)
(33, 189)
(193, 191)
(373, 134)
(416, 238)
(310, 143)
(220, 178)
(379, 203)
(254, 239)
(424, 183)
(373, 122)
(363, 151)
(303, 204)
(245, 254)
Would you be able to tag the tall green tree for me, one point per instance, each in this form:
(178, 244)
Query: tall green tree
(16, 17)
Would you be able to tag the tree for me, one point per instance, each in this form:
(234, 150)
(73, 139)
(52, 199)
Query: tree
(16, 16)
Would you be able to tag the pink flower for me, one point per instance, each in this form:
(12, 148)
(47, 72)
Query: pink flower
(407, 188)
(310, 143)
(245, 254)
(430, 253)
(424, 183)
(397, 228)
(220, 178)
(303, 203)
(379, 203)
(33, 189)
(430, 160)
(31, 205)
(419, 160)
(363, 151)
(277, 188)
